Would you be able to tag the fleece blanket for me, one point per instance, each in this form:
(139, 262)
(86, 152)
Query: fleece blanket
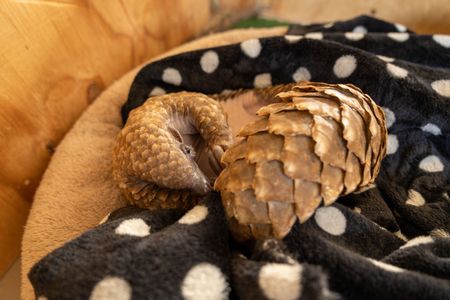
(390, 241)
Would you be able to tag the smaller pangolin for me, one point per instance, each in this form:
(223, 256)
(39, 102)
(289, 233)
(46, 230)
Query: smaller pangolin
(159, 153)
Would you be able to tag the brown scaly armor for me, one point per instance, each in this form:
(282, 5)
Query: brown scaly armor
(154, 165)
(321, 141)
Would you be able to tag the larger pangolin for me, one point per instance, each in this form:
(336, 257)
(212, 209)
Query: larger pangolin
(318, 142)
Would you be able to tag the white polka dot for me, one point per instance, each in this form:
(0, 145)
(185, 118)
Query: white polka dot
(251, 48)
(205, 281)
(195, 215)
(420, 240)
(357, 210)
(396, 71)
(400, 235)
(262, 80)
(226, 92)
(42, 298)
(209, 61)
(111, 288)
(431, 163)
(443, 40)
(360, 29)
(157, 91)
(328, 25)
(442, 87)
(344, 66)
(293, 38)
(385, 266)
(415, 198)
(331, 220)
(314, 35)
(134, 227)
(400, 27)
(392, 144)
(301, 74)
(390, 116)
(171, 76)
(386, 58)
(398, 36)
(432, 128)
(281, 281)
(354, 36)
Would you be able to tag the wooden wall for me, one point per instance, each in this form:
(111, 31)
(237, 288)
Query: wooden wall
(56, 56)
(424, 16)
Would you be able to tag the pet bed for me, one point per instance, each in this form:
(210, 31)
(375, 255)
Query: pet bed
(390, 241)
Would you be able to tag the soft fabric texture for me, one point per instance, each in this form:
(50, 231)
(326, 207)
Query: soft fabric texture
(388, 242)
(77, 190)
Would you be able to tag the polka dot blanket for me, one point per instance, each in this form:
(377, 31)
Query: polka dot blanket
(388, 242)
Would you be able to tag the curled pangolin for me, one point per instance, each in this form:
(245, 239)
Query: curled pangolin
(319, 142)
(158, 153)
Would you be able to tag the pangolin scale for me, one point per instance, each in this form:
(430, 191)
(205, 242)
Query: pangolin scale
(319, 142)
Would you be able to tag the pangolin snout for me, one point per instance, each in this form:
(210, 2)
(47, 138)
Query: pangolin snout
(201, 188)
(200, 183)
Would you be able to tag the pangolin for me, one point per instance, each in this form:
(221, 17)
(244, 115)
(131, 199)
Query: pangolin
(308, 144)
(318, 142)
(158, 153)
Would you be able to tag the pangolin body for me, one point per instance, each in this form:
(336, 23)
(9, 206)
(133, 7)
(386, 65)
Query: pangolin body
(154, 160)
(318, 142)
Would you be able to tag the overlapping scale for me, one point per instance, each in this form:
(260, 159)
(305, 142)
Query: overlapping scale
(319, 142)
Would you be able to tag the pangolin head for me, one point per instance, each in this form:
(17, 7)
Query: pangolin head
(183, 169)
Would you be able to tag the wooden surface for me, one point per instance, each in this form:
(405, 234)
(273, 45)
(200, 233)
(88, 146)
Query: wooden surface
(10, 283)
(56, 57)
(423, 16)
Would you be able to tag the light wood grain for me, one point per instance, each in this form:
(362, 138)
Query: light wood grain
(56, 57)
(423, 16)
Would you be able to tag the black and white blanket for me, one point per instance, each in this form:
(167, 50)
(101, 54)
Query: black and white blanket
(389, 242)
